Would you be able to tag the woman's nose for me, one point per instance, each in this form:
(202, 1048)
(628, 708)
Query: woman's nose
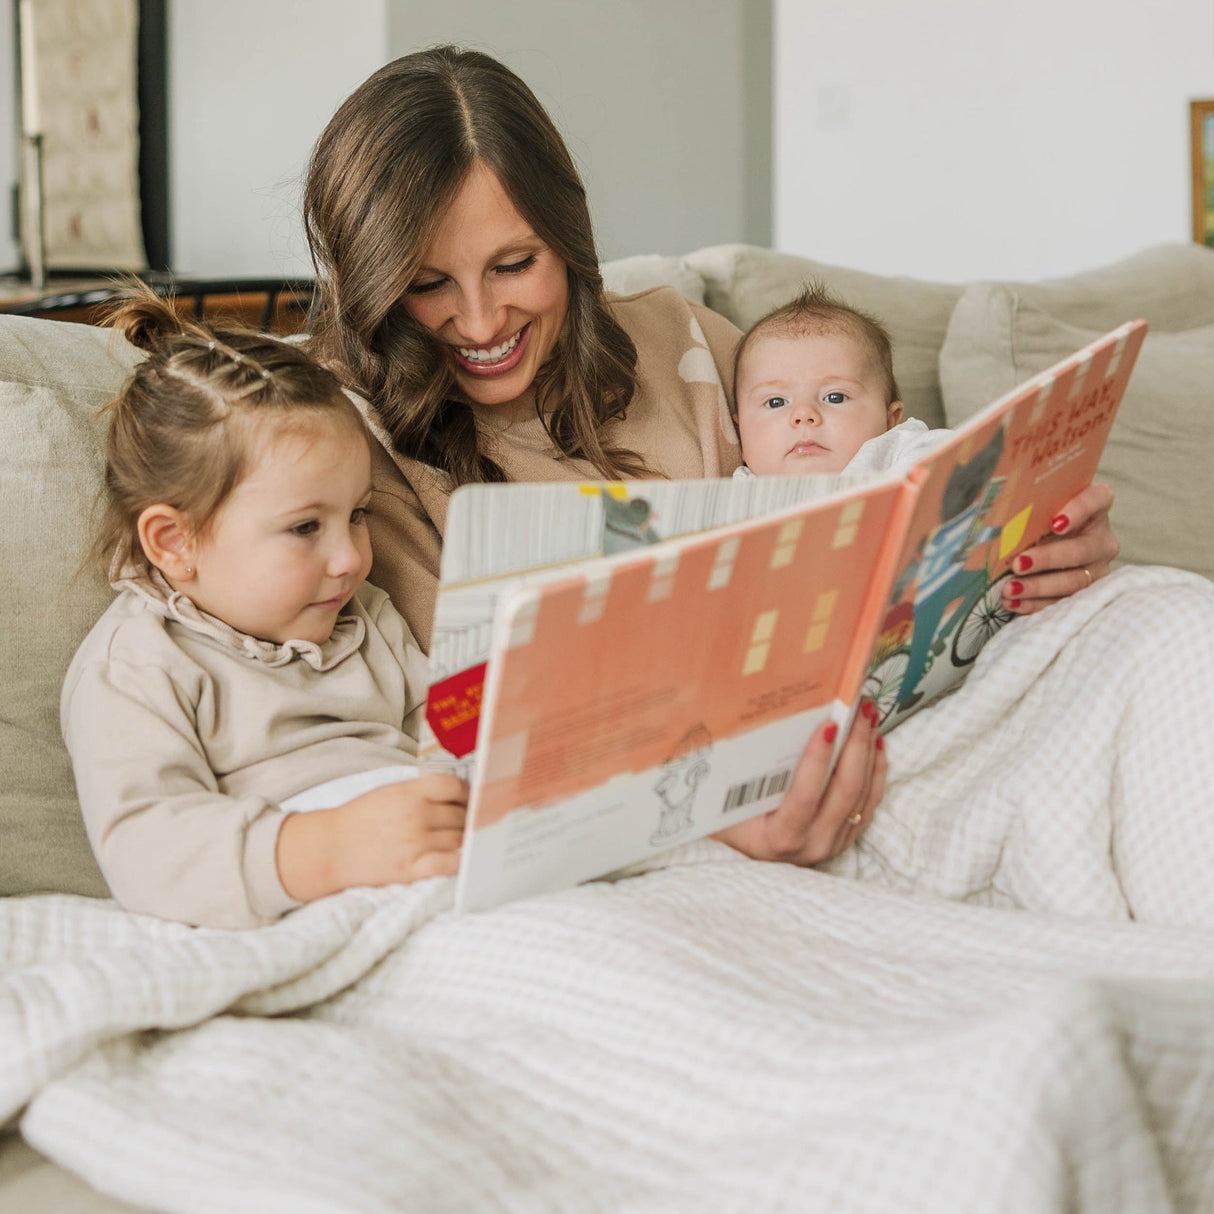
(479, 318)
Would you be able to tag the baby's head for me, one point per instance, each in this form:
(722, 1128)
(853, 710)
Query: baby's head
(813, 381)
(238, 468)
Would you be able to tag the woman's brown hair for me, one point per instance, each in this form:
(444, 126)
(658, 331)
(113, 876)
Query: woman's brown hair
(382, 176)
(185, 427)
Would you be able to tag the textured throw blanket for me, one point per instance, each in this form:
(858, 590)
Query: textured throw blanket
(711, 1033)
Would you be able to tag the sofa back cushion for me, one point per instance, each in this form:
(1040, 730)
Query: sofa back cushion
(53, 379)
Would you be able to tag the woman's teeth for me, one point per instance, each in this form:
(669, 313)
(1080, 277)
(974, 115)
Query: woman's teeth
(495, 354)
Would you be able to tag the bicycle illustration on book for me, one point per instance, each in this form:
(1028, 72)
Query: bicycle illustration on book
(952, 607)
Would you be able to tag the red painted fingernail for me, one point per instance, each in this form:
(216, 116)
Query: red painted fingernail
(880, 742)
(830, 732)
(1017, 588)
(1060, 523)
(1024, 564)
(1013, 603)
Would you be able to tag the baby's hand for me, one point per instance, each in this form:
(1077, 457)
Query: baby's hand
(393, 834)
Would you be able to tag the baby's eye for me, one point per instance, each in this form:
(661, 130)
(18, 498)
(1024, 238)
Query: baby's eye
(775, 402)
(517, 267)
(835, 398)
(303, 530)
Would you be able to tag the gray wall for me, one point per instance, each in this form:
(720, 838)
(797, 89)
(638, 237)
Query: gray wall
(665, 104)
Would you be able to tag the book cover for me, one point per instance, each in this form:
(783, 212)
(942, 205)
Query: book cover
(985, 495)
(646, 667)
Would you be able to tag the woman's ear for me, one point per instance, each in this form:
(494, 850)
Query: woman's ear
(167, 540)
(893, 414)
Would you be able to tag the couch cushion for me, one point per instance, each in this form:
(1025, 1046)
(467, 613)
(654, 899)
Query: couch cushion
(53, 378)
(1161, 449)
(1171, 286)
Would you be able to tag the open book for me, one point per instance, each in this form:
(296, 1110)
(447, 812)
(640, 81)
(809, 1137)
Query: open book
(619, 668)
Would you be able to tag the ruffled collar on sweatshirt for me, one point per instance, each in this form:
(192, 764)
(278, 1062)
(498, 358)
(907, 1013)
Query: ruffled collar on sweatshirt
(347, 635)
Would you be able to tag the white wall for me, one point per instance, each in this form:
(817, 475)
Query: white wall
(955, 139)
(251, 85)
(653, 97)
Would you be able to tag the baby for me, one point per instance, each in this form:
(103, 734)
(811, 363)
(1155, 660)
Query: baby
(814, 391)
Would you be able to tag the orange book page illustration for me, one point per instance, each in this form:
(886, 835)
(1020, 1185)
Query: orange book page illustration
(617, 668)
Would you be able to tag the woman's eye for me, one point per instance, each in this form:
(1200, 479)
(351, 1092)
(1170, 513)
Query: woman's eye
(424, 288)
(303, 530)
(359, 514)
(835, 398)
(775, 402)
(517, 267)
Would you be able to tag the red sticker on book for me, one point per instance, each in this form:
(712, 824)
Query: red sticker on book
(453, 709)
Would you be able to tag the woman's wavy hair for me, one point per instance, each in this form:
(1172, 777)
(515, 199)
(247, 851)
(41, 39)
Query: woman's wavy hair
(381, 179)
(189, 422)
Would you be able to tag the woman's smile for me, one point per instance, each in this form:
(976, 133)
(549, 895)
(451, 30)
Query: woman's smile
(496, 359)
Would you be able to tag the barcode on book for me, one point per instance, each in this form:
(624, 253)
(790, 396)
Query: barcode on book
(755, 790)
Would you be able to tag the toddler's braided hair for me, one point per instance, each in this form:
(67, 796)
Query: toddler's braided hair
(184, 427)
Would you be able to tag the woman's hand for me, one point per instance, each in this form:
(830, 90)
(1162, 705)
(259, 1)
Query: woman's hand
(1079, 552)
(820, 818)
(392, 834)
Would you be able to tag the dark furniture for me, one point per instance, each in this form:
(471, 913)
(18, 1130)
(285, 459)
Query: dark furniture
(273, 305)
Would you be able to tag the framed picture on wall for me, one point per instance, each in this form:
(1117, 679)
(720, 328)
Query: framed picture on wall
(1201, 125)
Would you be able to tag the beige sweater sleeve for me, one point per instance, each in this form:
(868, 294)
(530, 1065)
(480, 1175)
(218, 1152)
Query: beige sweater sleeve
(168, 841)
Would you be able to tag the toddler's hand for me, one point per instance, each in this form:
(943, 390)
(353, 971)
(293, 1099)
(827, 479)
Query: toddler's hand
(393, 834)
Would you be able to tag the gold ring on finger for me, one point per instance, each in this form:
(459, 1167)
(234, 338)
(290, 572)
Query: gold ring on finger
(1089, 576)
(854, 819)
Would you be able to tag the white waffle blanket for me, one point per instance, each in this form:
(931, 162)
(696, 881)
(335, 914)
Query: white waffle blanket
(714, 1034)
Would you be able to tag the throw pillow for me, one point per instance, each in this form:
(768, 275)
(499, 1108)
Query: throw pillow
(54, 377)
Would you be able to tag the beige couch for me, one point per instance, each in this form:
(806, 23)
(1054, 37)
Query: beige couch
(957, 347)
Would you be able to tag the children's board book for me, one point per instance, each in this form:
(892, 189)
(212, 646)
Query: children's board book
(619, 668)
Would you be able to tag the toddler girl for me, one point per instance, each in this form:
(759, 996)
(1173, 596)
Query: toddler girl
(245, 661)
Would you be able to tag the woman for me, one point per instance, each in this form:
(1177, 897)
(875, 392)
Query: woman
(461, 296)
